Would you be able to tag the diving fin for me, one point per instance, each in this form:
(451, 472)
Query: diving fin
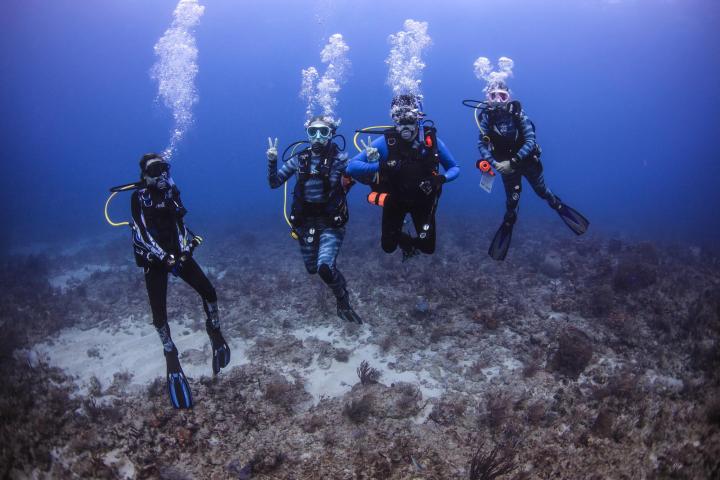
(345, 311)
(221, 351)
(573, 219)
(178, 386)
(501, 242)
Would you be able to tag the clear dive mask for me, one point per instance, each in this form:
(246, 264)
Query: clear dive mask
(498, 96)
(319, 132)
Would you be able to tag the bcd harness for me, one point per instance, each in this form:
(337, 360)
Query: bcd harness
(502, 141)
(334, 210)
(163, 220)
(405, 167)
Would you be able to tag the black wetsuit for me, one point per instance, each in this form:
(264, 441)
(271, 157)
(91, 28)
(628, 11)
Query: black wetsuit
(402, 167)
(158, 231)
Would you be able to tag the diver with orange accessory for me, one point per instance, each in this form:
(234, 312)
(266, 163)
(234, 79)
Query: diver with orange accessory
(402, 167)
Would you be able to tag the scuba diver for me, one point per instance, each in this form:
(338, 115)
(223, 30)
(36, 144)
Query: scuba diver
(319, 207)
(402, 168)
(507, 142)
(163, 244)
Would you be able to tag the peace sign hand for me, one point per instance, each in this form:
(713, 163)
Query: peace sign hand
(372, 153)
(272, 151)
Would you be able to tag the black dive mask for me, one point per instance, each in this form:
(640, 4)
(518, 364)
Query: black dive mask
(157, 175)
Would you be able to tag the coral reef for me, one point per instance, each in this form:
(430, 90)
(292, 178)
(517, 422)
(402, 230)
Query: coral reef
(601, 354)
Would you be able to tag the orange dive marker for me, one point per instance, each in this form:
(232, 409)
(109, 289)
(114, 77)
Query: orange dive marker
(377, 198)
(487, 176)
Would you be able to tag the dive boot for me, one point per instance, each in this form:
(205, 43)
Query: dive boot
(178, 386)
(501, 241)
(336, 281)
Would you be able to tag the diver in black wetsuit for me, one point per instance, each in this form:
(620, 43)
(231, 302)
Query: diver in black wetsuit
(507, 142)
(163, 244)
(403, 167)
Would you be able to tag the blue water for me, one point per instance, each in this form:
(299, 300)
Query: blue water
(623, 93)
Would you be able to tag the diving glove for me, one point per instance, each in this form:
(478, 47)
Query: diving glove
(195, 242)
(505, 168)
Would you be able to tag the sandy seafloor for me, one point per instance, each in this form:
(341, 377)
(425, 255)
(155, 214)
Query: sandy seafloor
(592, 357)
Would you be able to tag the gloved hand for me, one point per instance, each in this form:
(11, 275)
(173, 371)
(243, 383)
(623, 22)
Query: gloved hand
(373, 155)
(505, 168)
(272, 152)
(195, 242)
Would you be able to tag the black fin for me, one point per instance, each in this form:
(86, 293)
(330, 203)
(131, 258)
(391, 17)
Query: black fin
(573, 219)
(220, 348)
(501, 242)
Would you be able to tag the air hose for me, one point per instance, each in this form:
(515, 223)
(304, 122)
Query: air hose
(114, 191)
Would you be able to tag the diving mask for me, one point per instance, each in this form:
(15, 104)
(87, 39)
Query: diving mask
(157, 174)
(407, 130)
(498, 96)
(319, 132)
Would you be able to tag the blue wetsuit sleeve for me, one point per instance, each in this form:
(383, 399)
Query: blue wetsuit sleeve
(360, 169)
(452, 169)
(528, 135)
(485, 153)
(277, 177)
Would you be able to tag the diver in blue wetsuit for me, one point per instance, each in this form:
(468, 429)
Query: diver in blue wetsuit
(403, 168)
(319, 210)
(507, 142)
